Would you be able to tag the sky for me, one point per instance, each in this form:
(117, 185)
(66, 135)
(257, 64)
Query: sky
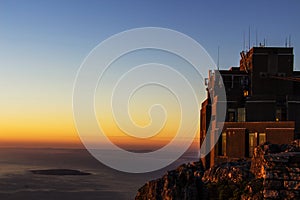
(43, 43)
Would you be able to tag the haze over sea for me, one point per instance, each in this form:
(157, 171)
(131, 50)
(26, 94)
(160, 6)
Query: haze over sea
(17, 182)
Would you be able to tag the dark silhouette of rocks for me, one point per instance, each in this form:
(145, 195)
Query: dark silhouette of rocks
(273, 173)
(60, 172)
(183, 183)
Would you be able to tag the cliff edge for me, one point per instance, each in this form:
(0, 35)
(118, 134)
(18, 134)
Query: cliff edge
(272, 173)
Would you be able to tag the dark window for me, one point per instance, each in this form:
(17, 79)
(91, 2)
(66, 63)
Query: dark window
(280, 114)
(241, 114)
(231, 115)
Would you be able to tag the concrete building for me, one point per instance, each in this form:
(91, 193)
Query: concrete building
(263, 104)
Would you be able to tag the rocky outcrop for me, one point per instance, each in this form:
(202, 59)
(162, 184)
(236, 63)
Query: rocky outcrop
(231, 180)
(273, 173)
(233, 172)
(189, 182)
(279, 167)
(184, 183)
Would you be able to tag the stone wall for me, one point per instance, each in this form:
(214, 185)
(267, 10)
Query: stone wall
(279, 167)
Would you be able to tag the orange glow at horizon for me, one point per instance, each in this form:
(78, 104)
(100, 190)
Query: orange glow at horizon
(37, 116)
(59, 130)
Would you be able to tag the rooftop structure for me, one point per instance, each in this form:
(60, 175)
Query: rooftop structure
(263, 103)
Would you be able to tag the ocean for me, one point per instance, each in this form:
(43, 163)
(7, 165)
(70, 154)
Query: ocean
(18, 183)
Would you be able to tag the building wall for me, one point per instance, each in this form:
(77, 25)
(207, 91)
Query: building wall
(259, 126)
(236, 141)
(294, 115)
(261, 104)
(280, 135)
(204, 119)
(266, 63)
(243, 137)
(260, 110)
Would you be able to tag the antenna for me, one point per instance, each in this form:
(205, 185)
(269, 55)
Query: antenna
(249, 39)
(244, 41)
(290, 41)
(256, 37)
(286, 42)
(218, 62)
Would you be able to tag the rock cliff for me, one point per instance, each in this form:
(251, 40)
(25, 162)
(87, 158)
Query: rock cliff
(183, 183)
(191, 182)
(273, 173)
(279, 167)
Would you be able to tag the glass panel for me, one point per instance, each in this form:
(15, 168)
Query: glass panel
(246, 93)
(241, 114)
(262, 138)
(224, 144)
(251, 143)
(278, 114)
(231, 115)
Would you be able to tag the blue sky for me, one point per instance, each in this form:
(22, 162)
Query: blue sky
(43, 43)
(68, 30)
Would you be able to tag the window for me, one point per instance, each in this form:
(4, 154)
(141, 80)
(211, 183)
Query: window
(206, 81)
(280, 114)
(262, 138)
(251, 143)
(224, 144)
(241, 114)
(231, 115)
(246, 93)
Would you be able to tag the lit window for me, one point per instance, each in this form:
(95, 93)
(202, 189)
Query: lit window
(262, 138)
(246, 93)
(224, 144)
(251, 143)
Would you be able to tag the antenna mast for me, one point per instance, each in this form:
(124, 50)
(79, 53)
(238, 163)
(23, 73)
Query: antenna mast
(249, 39)
(256, 37)
(244, 41)
(218, 62)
